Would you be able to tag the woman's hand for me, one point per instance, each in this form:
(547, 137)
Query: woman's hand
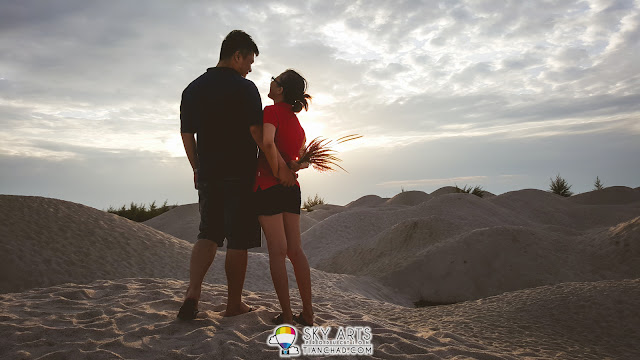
(295, 166)
(286, 176)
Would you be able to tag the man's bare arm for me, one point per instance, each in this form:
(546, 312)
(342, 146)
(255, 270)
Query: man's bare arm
(191, 149)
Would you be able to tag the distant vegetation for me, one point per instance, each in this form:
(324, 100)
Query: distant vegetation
(560, 186)
(311, 202)
(598, 185)
(140, 212)
(477, 190)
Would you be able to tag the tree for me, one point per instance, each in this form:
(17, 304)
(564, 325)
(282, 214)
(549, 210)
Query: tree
(598, 185)
(560, 186)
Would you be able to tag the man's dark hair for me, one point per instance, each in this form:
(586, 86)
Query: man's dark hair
(238, 40)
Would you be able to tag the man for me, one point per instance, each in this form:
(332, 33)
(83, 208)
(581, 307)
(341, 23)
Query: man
(224, 109)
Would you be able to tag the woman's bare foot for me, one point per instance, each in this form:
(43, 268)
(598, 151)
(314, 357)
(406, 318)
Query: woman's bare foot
(282, 319)
(193, 293)
(305, 319)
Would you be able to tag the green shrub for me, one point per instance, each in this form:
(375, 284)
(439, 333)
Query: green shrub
(311, 202)
(598, 185)
(140, 212)
(477, 190)
(560, 186)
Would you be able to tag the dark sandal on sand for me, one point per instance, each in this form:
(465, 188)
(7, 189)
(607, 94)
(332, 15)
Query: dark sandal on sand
(300, 320)
(188, 310)
(278, 320)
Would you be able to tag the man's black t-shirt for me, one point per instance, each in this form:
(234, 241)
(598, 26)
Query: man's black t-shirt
(219, 106)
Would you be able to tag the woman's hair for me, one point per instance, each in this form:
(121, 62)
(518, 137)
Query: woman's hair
(294, 90)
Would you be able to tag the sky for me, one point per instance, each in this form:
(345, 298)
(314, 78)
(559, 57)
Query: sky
(499, 94)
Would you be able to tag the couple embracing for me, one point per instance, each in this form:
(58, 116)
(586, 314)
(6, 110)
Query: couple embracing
(238, 191)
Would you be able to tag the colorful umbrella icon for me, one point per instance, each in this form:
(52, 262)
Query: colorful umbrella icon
(286, 336)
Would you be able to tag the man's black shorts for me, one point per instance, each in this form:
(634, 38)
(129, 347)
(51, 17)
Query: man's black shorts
(226, 211)
(278, 199)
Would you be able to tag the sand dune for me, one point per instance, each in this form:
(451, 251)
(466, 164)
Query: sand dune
(367, 200)
(615, 195)
(531, 275)
(181, 222)
(444, 190)
(321, 212)
(460, 247)
(409, 198)
(48, 242)
(62, 242)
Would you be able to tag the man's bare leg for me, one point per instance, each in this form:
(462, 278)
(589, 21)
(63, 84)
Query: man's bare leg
(235, 267)
(202, 255)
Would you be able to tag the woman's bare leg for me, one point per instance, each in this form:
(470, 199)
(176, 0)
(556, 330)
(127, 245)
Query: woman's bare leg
(273, 227)
(299, 261)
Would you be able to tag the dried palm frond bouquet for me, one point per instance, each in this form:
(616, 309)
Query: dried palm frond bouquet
(321, 156)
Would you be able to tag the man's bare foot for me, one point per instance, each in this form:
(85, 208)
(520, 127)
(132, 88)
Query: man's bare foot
(236, 310)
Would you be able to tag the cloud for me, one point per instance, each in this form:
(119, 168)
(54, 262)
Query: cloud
(80, 81)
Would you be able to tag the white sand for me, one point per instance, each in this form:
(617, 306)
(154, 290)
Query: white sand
(554, 279)
(181, 222)
(410, 198)
(460, 247)
(367, 201)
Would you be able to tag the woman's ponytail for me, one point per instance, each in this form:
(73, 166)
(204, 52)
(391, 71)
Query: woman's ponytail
(295, 87)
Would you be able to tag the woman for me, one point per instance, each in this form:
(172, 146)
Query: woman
(279, 206)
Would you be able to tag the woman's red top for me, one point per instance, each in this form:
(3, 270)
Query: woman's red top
(289, 140)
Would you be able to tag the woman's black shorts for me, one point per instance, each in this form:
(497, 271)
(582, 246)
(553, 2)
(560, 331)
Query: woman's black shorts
(278, 199)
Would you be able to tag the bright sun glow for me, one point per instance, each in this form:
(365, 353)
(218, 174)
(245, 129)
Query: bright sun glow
(173, 145)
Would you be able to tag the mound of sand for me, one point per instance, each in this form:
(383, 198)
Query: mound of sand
(614, 195)
(459, 247)
(367, 201)
(181, 222)
(452, 190)
(323, 211)
(135, 318)
(445, 190)
(409, 198)
(306, 222)
(47, 242)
